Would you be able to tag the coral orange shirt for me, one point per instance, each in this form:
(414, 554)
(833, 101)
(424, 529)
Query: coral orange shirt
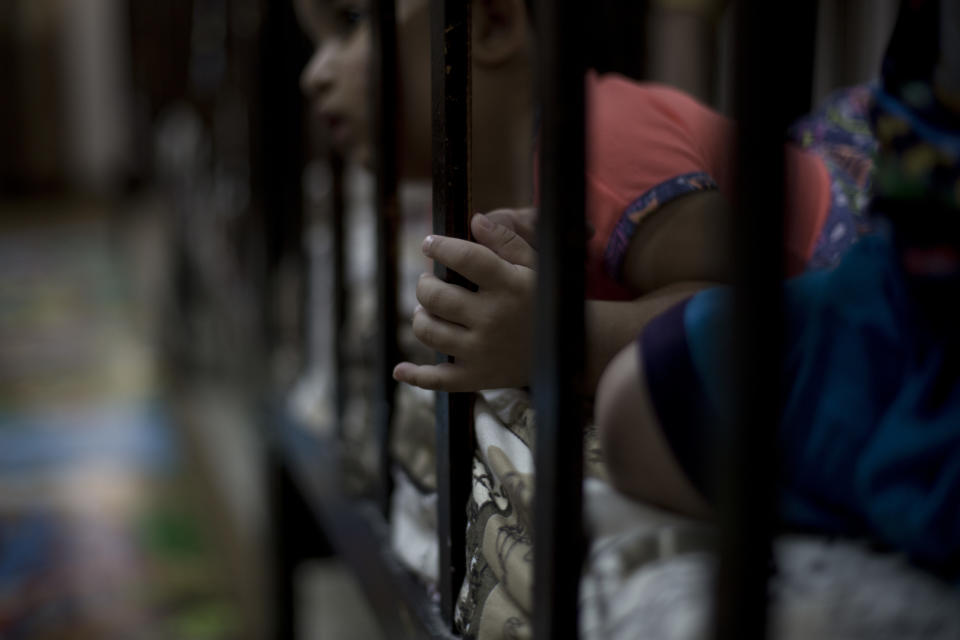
(648, 144)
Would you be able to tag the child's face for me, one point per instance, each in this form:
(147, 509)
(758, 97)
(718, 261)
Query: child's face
(337, 78)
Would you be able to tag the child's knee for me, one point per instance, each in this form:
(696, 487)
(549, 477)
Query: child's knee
(618, 394)
(639, 459)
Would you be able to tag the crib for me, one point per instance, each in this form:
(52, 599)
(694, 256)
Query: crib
(313, 515)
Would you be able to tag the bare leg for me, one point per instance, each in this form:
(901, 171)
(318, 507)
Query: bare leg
(639, 459)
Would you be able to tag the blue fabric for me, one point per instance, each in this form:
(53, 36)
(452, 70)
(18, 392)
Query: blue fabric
(870, 430)
(677, 396)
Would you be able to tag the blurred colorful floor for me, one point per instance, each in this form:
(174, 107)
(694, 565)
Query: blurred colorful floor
(102, 532)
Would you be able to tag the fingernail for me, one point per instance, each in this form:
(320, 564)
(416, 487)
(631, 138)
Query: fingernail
(427, 244)
(419, 307)
(483, 221)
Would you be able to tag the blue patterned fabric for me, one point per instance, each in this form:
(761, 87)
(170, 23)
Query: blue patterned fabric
(839, 131)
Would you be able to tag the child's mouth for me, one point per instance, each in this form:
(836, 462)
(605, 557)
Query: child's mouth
(339, 129)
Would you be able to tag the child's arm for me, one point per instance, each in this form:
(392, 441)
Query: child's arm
(684, 240)
(490, 331)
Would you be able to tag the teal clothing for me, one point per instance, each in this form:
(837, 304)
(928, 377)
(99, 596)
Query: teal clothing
(870, 426)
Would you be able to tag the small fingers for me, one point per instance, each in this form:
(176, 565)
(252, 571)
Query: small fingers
(473, 261)
(438, 334)
(446, 301)
(503, 241)
(522, 221)
(445, 376)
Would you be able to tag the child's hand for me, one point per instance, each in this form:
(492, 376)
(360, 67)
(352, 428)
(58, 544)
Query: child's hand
(523, 222)
(488, 331)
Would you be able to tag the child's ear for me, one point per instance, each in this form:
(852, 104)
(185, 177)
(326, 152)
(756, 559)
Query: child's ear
(500, 31)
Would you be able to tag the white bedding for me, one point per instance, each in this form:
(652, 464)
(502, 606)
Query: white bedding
(648, 572)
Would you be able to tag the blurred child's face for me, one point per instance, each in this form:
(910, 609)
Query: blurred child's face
(337, 78)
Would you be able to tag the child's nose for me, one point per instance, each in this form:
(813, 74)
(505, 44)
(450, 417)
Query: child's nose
(317, 77)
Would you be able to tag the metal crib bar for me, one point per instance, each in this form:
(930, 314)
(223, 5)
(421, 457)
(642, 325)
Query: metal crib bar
(765, 103)
(558, 540)
(617, 40)
(338, 212)
(451, 99)
(385, 136)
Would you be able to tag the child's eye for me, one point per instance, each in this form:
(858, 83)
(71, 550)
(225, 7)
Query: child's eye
(347, 19)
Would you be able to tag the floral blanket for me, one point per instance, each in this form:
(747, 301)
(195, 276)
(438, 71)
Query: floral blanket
(648, 572)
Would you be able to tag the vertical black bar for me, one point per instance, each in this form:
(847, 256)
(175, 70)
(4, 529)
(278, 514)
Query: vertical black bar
(616, 37)
(765, 103)
(295, 539)
(451, 98)
(558, 547)
(385, 137)
(277, 189)
(284, 50)
(338, 212)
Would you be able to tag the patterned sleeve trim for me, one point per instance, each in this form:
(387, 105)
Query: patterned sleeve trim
(653, 199)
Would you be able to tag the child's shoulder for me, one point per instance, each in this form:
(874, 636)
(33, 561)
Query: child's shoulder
(642, 134)
(614, 94)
